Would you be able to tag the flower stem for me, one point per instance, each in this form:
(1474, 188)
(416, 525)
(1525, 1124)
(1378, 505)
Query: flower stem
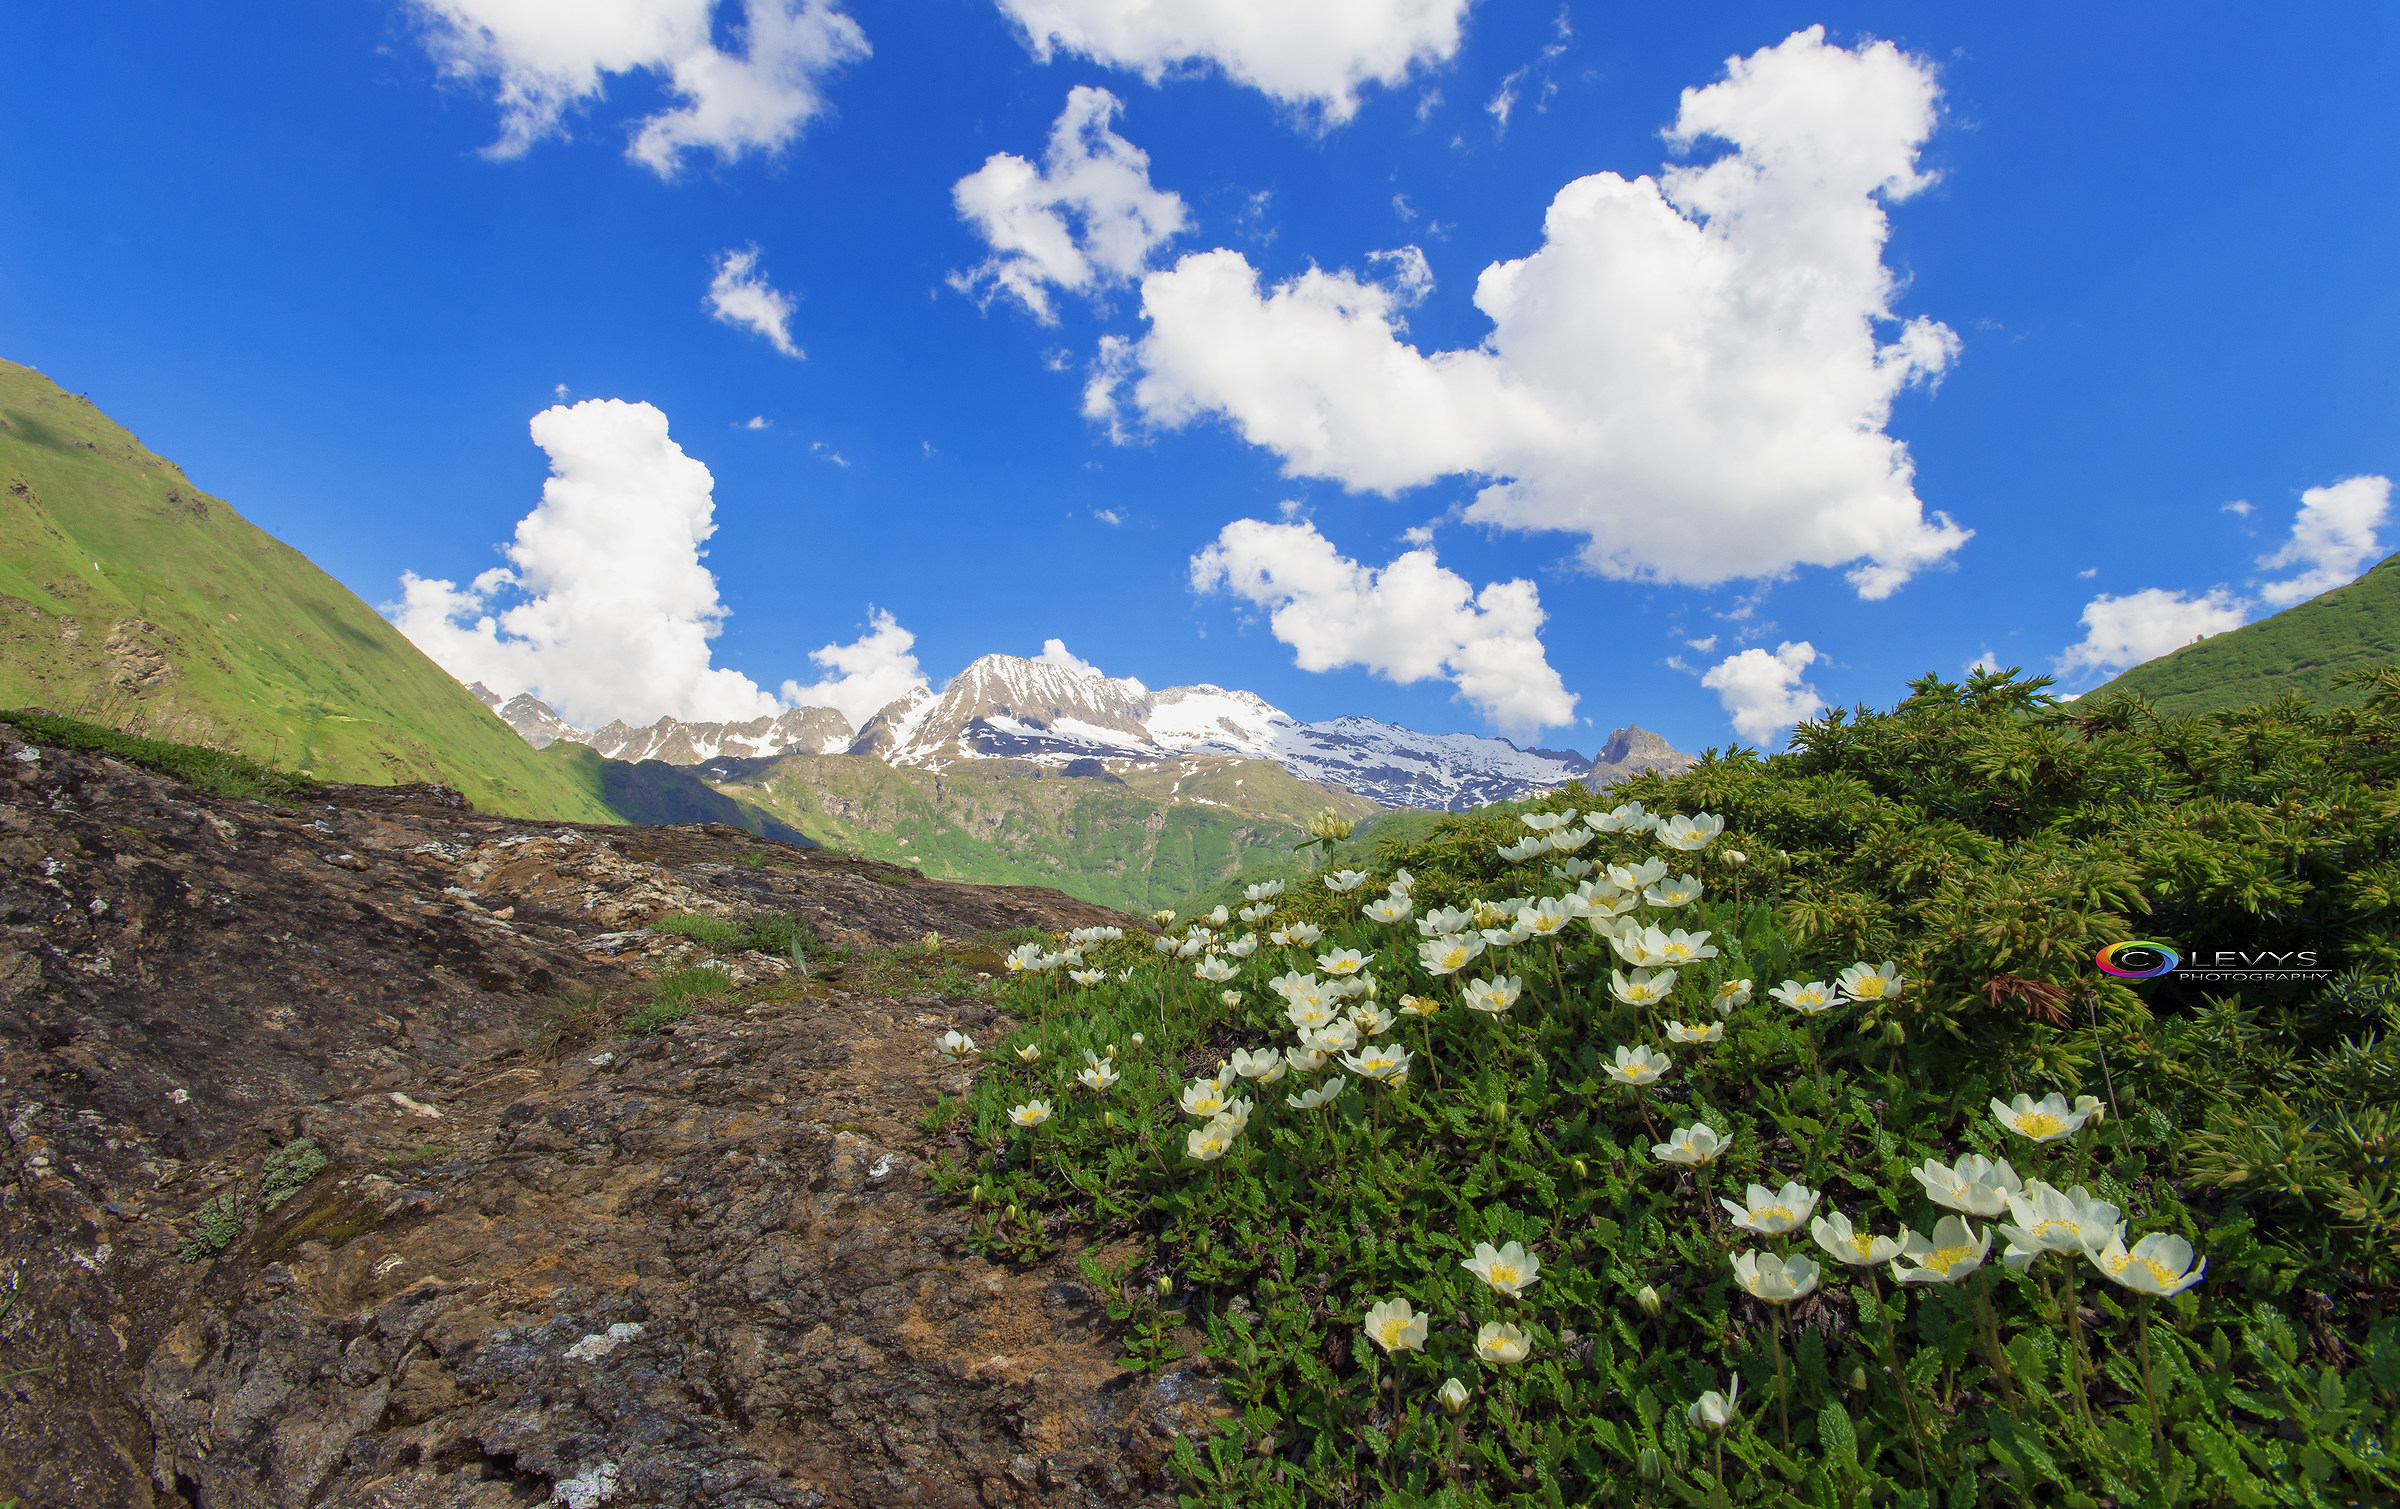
(1908, 1402)
(2077, 1361)
(2158, 1429)
(1991, 1334)
(1783, 1403)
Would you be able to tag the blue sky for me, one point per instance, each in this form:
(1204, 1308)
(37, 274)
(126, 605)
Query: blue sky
(2139, 269)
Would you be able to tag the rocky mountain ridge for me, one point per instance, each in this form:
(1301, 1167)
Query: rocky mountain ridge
(1007, 707)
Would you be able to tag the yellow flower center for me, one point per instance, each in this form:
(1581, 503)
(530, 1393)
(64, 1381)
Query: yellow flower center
(1389, 1334)
(1676, 953)
(2040, 1124)
(1503, 1275)
(1864, 1246)
(1868, 985)
(1766, 1213)
(2044, 1228)
(2158, 1270)
(1943, 1259)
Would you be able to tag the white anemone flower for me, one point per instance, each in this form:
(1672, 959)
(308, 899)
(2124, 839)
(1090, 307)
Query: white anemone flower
(1570, 840)
(1690, 834)
(1304, 1060)
(1677, 1032)
(1510, 1270)
(1087, 977)
(1214, 970)
(1031, 1114)
(1344, 961)
(1345, 880)
(1546, 822)
(2054, 1220)
(1231, 998)
(1236, 1114)
(1389, 909)
(1772, 1212)
(1255, 914)
(1262, 1064)
(1333, 1037)
(1163, 944)
(1954, 1250)
(1573, 869)
(1546, 918)
(1975, 1184)
(1696, 1144)
(1351, 987)
(1099, 1077)
(2044, 1120)
(1308, 1013)
(1872, 982)
(954, 1045)
(1633, 878)
(1411, 1005)
(1303, 934)
(1219, 917)
(1283, 984)
(1809, 1000)
(1630, 817)
(1524, 848)
(1448, 955)
(1494, 996)
(1031, 1053)
(1504, 937)
(1683, 890)
(1194, 944)
(1163, 917)
(1403, 882)
(1203, 1098)
(1379, 1061)
(1731, 997)
(1502, 1344)
(1210, 1142)
(2159, 1264)
(1323, 1095)
(1712, 1411)
(1778, 1281)
(1393, 1326)
(1442, 921)
(1645, 946)
(1242, 947)
(1645, 987)
(1265, 890)
(1372, 1020)
(1637, 1066)
(1860, 1249)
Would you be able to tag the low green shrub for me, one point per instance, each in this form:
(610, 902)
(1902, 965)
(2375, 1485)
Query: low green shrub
(214, 772)
(214, 1226)
(289, 1169)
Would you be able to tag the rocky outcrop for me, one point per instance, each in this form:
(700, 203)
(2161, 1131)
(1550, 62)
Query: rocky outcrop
(698, 1266)
(1631, 752)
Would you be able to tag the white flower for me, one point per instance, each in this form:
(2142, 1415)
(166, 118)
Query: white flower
(1096, 934)
(1137, 1040)
(1163, 944)
(1683, 890)
(1493, 996)
(1868, 982)
(2159, 1264)
(1193, 943)
(1211, 1142)
(1546, 822)
(1524, 849)
(1632, 878)
(1505, 1345)
(1449, 955)
(1731, 996)
(1236, 1115)
(1546, 918)
(1255, 914)
(1645, 946)
(1393, 1326)
(1573, 869)
(1695, 1144)
(1810, 999)
(1441, 922)
(1637, 1066)
(1265, 890)
(1087, 976)
(1953, 1251)
(1203, 1097)
(1778, 1281)
(1452, 1395)
(1975, 1184)
(2044, 1120)
(1646, 987)
(1713, 1411)
(1628, 818)
(1304, 1060)
(1510, 1270)
(1372, 1020)
(1031, 1114)
(1264, 1063)
(1308, 1013)
(1231, 998)
(1690, 833)
(1502, 937)
(1303, 934)
(1419, 1006)
(1570, 840)
(1857, 1248)
(1323, 1095)
(1031, 1053)
(1345, 880)
(1677, 1032)
(1333, 1037)
(1343, 961)
(1403, 882)
(1772, 1212)
(1242, 947)
(1390, 909)
(1164, 917)
(954, 1045)
(1099, 1076)
(1214, 971)
(1379, 1062)
(2051, 1220)
(1023, 957)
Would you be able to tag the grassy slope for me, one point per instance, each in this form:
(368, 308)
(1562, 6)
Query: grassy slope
(112, 564)
(1149, 840)
(652, 791)
(2299, 650)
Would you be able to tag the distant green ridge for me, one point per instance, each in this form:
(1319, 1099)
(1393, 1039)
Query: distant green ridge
(652, 791)
(131, 599)
(2298, 650)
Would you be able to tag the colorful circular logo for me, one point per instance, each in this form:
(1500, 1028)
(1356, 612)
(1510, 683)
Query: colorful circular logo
(2139, 960)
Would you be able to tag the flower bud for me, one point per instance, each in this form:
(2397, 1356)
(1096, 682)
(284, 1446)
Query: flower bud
(1137, 1040)
(1858, 1379)
(975, 1194)
(1651, 1304)
(1499, 1109)
(1650, 1465)
(1582, 1170)
(1108, 1119)
(1166, 1286)
(1012, 1210)
(1894, 1035)
(1453, 1396)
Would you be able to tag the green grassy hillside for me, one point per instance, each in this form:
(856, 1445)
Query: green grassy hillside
(2299, 650)
(652, 791)
(1140, 841)
(130, 598)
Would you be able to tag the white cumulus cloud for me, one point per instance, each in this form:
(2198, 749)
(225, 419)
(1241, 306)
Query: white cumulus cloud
(2123, 631)
(739, 295)
(1055, 652)
(1085, 220)
(869, 673)
(608, 609)
(1314, 56)
(1763, 693)
(1694, 372)
(1409, 621)
(545, 58)
(2333, 536)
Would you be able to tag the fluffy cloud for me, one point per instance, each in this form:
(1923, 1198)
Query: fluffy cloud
(1763, 694)
(2123, 631)
(543, 58)
(1693, 373)
(2333, 536)
(612, 610)
(1085, 220)
(1055, 652)
(870, 673)
(1409, 621)
(1313, 56)
(739, 295)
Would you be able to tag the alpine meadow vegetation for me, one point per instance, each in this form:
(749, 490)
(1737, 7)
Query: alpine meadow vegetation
(1767, 1133)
